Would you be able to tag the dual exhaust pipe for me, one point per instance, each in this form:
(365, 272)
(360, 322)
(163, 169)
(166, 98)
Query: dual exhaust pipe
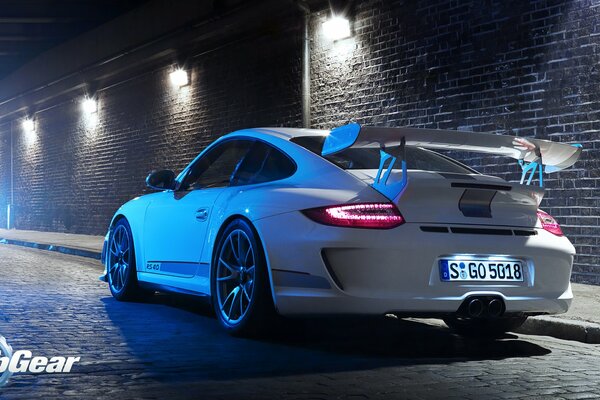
(481, 307)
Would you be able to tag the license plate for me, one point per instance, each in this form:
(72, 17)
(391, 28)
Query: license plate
(481, 270)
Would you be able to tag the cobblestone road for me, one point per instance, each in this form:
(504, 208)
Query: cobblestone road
(171, 348)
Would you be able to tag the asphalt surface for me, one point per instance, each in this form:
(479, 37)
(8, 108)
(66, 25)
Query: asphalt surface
(171, 347)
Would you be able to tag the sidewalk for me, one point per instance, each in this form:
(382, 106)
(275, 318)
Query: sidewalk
(581, 323)
(68, 243)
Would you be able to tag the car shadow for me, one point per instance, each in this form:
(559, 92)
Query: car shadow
(392, 338)
(184, 329)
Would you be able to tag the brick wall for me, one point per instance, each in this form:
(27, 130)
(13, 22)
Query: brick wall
(522, 67)
(74, 174)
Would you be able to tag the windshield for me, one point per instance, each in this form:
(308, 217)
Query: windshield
(368, 158)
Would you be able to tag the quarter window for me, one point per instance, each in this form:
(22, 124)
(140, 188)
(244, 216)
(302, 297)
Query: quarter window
(263, 163)
(218, 166)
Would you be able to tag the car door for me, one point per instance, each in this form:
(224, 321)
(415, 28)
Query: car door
(177, 221)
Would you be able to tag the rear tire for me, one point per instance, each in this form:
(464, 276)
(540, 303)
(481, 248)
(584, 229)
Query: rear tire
(120, 265)
(240, 288)
(484, 327)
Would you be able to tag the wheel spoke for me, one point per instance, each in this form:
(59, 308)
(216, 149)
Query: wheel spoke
(113, 248)
(117, 239)
(234, 292)
(233, 248)
(250, 285)
(229, 267)
(123, 271)
(113, 267)
(246, 293)
(239, 245)
(226, 278)
(116, 277)
(227, 298)
(237, 292)
(121, 280)
(248, 252)
(124, 241)
(121, 277)
(250, 270)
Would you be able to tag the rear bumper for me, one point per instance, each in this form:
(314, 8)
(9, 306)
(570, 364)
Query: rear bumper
(317, 269)
(290, 302)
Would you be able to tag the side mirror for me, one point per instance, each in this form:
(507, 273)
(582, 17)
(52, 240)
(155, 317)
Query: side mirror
(161, 180)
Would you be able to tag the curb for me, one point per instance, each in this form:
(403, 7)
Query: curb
(586, 332)
(52, 247)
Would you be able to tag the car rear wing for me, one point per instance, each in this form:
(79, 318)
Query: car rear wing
(532, 154)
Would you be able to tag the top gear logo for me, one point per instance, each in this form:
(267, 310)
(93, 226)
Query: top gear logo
(6, 351)
(12, 362)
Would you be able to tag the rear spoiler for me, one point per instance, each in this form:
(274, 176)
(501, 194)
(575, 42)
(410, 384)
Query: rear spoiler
(532, 154)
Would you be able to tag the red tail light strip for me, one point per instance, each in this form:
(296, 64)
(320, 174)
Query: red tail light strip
(363, 215)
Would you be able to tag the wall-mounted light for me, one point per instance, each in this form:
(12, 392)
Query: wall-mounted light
(336, 28)
(179, 78)
(89, 106)
(28, 125)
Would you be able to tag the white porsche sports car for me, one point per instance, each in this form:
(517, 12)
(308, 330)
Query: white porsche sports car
(356, 220)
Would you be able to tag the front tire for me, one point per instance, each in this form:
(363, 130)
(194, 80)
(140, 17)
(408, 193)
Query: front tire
(241, 293)
(120, 264)
(484, 327)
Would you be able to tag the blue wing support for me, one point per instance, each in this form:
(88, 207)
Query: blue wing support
(388, 158)
(537, 166)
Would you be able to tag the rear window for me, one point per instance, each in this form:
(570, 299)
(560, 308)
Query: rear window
(368, 158)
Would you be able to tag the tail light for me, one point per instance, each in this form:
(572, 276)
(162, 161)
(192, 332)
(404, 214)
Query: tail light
(363, 215)
(549, 223)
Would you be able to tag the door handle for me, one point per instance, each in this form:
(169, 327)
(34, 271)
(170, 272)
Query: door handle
(202, 214)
